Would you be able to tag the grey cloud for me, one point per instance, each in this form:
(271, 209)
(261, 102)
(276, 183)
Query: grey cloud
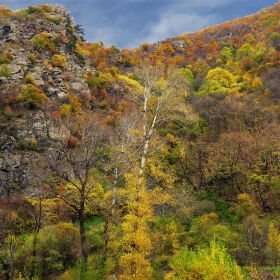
(177, 25)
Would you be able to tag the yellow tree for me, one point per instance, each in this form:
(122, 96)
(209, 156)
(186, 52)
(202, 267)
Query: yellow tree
(136, 242)
(161, 99)
(273, 244)
(218, 80)
(122, 157)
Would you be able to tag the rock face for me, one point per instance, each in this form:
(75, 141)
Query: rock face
(22, 54)
(19, 44)
(12, 173)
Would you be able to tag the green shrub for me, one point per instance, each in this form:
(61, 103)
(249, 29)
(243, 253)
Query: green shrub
(32, 58)
(33, 144)
(6, 28)
(188, 74)
(57, 249)
(56, 20)
(114, 71)
(41, 41)
(46, 8)
(104, 105)
(94, 82)
(22, 13)
(244, 51)
(29, 79)
(55, 41)
(213, 262)
(274, 36)
(4, 59)
(5, 71)
(33, 9)
(80, 58)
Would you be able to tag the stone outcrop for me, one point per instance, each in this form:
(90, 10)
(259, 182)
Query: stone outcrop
(13, 169)
(16, 133)
(18, 43)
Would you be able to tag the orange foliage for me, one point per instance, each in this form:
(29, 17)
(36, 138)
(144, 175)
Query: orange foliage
(145, 47)
(167, 48)
(201, 45)
(5, 12)
(235, 41)
(276, 58)
(213, 46)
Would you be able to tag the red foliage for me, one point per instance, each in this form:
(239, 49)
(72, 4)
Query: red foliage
(72, 142)
(103, 93)
(56, 115)
(61, 189)
(85, 98)
(92, 99)
(68, 77)
(19, 113)
(53, 105)
(12, 99)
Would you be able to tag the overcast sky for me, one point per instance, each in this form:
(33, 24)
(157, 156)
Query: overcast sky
(128, 23)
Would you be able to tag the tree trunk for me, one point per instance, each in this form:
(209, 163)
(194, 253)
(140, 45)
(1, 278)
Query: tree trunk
(38, 224)
(113, 204)
(83, 235)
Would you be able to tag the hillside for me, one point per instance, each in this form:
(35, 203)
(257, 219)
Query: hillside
(123, 163)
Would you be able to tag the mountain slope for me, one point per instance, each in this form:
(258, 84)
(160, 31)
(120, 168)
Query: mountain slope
(212, 172)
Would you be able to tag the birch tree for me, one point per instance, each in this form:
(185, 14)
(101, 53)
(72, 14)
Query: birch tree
(161, 99)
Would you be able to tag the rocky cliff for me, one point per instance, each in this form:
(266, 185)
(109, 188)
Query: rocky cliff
(36, 48)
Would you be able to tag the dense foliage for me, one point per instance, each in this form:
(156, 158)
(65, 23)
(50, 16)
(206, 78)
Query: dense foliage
(170, 165)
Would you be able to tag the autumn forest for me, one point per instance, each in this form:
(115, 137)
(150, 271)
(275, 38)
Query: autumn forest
(159, 162)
